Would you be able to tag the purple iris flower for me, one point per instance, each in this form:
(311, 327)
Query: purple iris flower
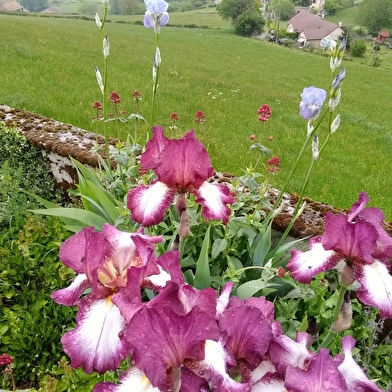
(156, 15)
(181, 166)
(105, 261)
(359, 240)
(172, 328)
(312, 101)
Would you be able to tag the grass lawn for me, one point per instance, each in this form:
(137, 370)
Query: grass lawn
(47, 66)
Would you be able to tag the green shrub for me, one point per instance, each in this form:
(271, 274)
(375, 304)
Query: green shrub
(249, 23)
(31, 324)
(358, 48)
(21, 167)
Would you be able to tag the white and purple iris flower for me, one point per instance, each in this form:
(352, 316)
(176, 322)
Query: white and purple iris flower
(311, 103)
(182, 166)
(156, 15)
(109, 265)
(359, 240)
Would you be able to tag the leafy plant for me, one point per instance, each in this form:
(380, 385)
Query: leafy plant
(21, 167)
(30, 323)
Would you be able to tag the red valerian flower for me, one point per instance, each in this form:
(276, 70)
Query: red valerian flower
(97, 105)
(114, 97)
(141, 171)
(5, 360)
(181, 166)
(264, 113)
(273, 164)
(359, 240)
(174, 116)
(137, 96)
(199, 117)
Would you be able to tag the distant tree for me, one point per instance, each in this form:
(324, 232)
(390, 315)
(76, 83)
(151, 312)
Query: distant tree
(332, 6)
(90, 8)
(129, 7)
(358, 48)
(346, 3)
(249, 23)
(375, 15)
(303, 3)
(232, 9)
(34, 5)
(284, 8)
(115, 7)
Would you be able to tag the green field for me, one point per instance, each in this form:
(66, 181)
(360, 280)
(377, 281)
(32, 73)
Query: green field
(47, 66)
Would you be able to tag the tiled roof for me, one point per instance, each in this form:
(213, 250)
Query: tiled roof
(384, 33)
(312, 25)
(12, 5)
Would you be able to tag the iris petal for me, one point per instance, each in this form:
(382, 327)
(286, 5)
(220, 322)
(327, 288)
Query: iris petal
(155, 146)
(376, 287)
(354, 376)
(249, 333)
(184, 164)
(149, 203)
(285, 352)
(322, 375)
(94, 344)
(72, 251)
(213, 198)
(71, 294)
(132, 380)
(161, 339)
(303, 266)
(355, 241)
(213, 369)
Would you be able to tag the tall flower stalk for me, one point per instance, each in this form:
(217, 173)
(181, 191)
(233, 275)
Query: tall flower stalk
(155, 17)
(102, 81)
(311, 109)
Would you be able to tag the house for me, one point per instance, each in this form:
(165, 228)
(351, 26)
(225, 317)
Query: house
(382, 36)
(51, 10)
(12, 6)
(312, 29)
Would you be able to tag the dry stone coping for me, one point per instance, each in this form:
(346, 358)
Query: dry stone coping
(59, 141)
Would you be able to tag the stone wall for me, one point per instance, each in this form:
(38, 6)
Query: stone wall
(57, 141)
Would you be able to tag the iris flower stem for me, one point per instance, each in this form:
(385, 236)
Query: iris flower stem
(105, 78)
(155, 87)
(326, 342)
(299, 156)
(295, 213)
(304, 186)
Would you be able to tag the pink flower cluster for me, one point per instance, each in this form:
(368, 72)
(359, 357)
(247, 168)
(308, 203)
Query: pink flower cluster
(5, 360)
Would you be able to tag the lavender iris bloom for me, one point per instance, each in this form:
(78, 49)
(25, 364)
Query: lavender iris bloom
(156, 15)
(312, 101)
